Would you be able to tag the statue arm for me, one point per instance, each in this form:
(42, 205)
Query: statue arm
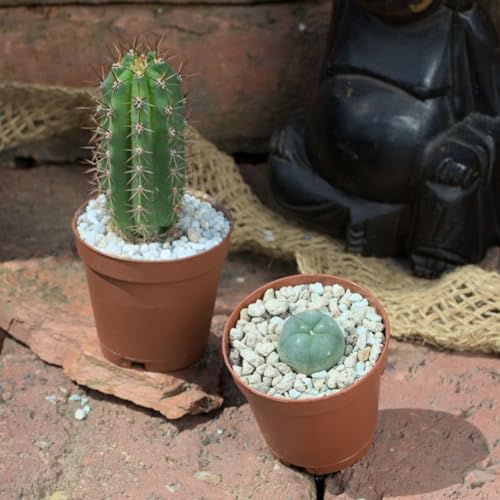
(481, 46)
(467, 151)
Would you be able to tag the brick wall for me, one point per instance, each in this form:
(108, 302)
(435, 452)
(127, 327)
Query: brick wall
(254, 60)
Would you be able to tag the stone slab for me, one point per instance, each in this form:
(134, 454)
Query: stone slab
(45, 306)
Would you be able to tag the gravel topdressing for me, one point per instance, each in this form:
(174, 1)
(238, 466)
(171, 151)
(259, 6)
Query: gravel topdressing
(254, 339)
(200, 227)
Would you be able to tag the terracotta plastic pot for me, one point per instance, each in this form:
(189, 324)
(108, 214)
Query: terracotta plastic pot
(322, 435)
(156, 313)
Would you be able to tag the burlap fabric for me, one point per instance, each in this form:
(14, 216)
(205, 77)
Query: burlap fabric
(460, 311)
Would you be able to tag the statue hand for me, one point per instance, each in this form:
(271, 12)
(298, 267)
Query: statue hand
(460, 156)
(455, 173)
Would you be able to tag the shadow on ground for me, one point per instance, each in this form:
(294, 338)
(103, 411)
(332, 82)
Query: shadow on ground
(415, 452)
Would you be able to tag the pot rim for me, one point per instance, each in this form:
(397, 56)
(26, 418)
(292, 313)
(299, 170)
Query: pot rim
(199, 194)
(308, 278)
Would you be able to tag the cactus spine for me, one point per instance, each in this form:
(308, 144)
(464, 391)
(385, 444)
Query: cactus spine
(139, 156)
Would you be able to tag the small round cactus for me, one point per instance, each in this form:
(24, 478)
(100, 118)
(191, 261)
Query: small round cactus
(139, 153)
(310, 342)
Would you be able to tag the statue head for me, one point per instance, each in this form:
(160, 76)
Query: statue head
(397, 9)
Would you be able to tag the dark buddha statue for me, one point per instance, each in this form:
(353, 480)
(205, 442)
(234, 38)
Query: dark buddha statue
(397, 150)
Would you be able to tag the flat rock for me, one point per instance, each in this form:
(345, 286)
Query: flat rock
(46, 307)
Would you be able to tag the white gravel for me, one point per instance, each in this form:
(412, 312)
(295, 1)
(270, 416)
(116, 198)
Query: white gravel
(82, 412)
(200, 227)
(254, 340)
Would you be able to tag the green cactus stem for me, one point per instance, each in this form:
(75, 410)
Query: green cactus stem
(310, 342)
(140, 145)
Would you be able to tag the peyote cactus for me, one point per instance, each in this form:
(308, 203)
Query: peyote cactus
(310, 342)
(139, 156)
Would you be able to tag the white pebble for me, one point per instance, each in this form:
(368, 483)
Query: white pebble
(360, 305)
(95, 229)
(321, 374)
(346, 378)
(264, 348)
(361, 342)
(239, 345)
(257, 319)
(236, 334)
(252, 338)
(351, 360)
(261, 369)
(283, 367)
(318, 303)
(257, 309)
(193, 235)
(252, 357)
(262, 327)
(318, 383)
(355, 297)
(80, 414)
(332, 380)
(370, 325)
(333, 307)
(375, 353)
(317, 288)
(276, 307)
(300, 306)
(255, 378)
(275, 325)
(273, 358)
(286, 383)
(271, 371)
(247, 368)
(299, 385)
(261, 387)
(373, 316)
(364, 354)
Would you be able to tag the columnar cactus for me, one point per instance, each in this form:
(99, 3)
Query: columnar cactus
(140, 144)
(310, 342)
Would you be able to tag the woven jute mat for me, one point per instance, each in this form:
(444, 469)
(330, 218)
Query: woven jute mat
(459, 311)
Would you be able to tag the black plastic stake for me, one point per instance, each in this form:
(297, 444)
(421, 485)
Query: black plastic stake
(320, 487)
